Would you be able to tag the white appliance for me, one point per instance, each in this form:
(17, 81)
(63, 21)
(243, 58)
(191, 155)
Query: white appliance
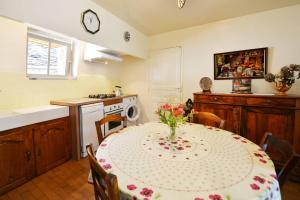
(113, 109)
(132, 110)
(94, 53)
(88, 133)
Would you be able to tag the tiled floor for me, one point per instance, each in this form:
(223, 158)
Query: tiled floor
(69, 181)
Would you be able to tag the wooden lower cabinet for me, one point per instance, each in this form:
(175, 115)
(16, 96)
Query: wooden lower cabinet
(52, 143)
(32, 150)
(253, 115)
(16, 158)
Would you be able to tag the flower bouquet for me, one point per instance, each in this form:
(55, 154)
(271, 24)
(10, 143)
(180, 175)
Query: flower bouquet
(172, 116)
(284, 80)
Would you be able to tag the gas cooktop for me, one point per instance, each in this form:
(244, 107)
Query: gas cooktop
(101, 96)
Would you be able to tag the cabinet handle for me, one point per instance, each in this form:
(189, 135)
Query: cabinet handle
(269, 101)
(215, 98)
(28, 155)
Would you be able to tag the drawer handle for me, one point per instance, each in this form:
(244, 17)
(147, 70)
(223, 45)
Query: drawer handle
(269, 101)
(215, 98)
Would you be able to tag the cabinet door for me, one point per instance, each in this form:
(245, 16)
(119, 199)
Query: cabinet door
(52, 142)
(16, 158)
(257, 121)
(231, 114)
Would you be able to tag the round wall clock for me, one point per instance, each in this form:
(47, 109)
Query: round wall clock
(205, 84)
(90, 21)
(127, 36)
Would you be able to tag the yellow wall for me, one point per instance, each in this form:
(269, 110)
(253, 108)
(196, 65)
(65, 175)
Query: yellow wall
(17, 91)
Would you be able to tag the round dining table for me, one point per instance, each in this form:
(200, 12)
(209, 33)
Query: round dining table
(201, 163)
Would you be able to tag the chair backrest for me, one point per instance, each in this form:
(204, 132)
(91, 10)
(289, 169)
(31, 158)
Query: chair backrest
(105, 185)
(290, 158)
(109, 118)
(206, 118)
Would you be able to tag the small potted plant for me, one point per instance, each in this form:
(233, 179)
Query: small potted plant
(284, 80)
(173, 116)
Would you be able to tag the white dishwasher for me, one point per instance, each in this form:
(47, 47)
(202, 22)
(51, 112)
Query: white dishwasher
(88, 133)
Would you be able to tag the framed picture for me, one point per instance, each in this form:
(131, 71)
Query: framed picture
(251, 63)
(241, 86)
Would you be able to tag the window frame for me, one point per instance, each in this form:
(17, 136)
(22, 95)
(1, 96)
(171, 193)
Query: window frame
(42, 35)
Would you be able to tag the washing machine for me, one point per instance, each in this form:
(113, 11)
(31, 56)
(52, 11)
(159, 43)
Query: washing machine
(132, 110)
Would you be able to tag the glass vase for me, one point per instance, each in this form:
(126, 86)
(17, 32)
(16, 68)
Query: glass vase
(172, 135)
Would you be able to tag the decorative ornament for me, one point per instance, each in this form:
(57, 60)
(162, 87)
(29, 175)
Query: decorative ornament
(181, 3)
(205, 84)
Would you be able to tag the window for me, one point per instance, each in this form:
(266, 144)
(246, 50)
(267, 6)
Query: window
(48, 56)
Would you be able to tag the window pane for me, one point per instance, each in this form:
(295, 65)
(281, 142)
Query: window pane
(37, 58)
(58, 59)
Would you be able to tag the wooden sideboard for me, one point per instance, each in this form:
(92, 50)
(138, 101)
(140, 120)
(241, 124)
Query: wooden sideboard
(252, 115)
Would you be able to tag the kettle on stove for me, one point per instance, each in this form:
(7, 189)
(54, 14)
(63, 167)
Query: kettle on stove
(118, 90)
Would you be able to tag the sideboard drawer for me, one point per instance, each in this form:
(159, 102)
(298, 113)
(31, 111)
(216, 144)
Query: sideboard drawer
(217, 99)
(281, 102)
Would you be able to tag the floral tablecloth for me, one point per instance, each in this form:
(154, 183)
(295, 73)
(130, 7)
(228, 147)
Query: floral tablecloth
(201, 163)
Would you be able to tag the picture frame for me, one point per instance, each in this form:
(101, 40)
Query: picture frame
(250, 63)
(241, 86)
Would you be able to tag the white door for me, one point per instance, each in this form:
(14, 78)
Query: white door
(165, 78)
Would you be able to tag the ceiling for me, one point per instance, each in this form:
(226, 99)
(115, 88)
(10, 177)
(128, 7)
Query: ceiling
(157, 16)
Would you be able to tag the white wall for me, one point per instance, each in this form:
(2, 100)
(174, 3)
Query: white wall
(16, 90)
(64, 16)
(277, 29)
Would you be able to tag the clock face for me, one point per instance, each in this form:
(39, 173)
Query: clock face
(181, 3)
(90, 21)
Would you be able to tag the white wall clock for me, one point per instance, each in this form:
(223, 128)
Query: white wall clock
(90, 21)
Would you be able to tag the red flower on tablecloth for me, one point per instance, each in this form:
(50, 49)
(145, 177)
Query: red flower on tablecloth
(134, 198)
(101, 160)
(131, 187)
(180, 148)
(198, 198)
(274, 176)
(236, 137)
(254, 186)
(167, 147)
(161, 143)
(103, 145)
(146, 192)
(106, 166)
(262, 161)
(259, 179)
(258, 155)
(215, 197)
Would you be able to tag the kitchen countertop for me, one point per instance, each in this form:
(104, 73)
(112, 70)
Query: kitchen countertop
(15, 118)
(85, 101)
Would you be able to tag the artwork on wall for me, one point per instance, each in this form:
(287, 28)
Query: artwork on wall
(241, 86)
(251, 63)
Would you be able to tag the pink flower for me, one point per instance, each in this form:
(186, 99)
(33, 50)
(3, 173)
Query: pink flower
(177, 111)
(166, 107)
(146, 192)
(198, 198)
(215, 197)
(254, 186)
(259, 179)
(131, 187)
(106, 166)
(101, 160)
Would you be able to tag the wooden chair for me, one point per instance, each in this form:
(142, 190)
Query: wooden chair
(109, 118)
(208, 118)
(290, 158)
(105, 184)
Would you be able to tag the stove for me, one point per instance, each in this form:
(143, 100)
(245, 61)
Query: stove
(101, 96)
